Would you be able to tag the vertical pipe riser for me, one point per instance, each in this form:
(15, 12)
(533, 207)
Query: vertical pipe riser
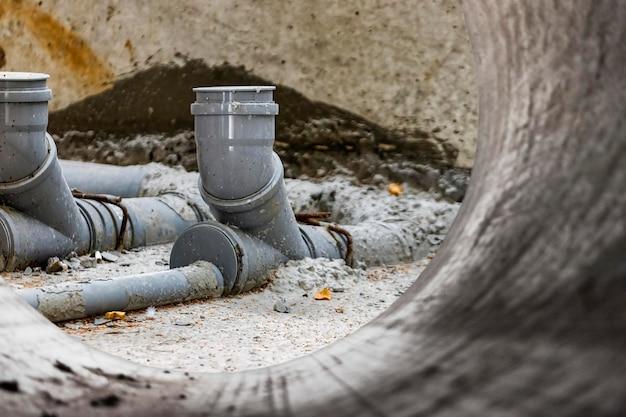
(23, 121)
(31, 180)
(241, 178)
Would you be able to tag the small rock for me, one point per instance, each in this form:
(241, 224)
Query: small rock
(56, 265)
(87, 262)
(74, 263)
(28, 271)
(73, 326)
(305, 285)
(151, 313)
(98, 321)
(109, 257)
(183, 323)
(281, 306)
(338, 289)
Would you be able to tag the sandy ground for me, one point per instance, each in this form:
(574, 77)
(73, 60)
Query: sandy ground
(276, 323)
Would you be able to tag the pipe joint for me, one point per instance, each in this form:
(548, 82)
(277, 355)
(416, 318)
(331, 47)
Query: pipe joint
(242, 260)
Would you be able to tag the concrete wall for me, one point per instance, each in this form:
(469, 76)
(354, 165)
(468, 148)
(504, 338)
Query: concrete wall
(404, 64)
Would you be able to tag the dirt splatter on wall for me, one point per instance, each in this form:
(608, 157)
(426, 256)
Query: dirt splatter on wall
(404, 65)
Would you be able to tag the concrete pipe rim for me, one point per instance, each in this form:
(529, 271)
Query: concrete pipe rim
(514, 344)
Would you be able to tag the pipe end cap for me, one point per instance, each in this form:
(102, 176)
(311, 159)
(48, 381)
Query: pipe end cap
(210, 242)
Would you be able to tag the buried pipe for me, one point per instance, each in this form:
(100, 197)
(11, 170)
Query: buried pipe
(39, 217)
(83, 299)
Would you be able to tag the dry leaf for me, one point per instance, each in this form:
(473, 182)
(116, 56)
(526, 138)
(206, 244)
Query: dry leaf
(115, 315)
(324, 294)
(395, 189)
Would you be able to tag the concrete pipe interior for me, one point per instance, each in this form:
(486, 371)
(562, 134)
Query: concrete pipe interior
(521, 311)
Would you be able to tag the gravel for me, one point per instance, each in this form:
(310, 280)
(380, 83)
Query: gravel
(282, 320)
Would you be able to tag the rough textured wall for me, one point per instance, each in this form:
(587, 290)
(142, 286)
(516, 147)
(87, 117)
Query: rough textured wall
(404, 65)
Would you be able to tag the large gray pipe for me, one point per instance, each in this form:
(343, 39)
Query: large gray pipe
(83, 299)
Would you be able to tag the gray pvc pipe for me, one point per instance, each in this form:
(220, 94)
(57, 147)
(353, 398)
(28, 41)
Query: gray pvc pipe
(23, 120)
(122, 181)
(45, 196)
(234, 128)
(240, 177)
(31, 179)
(84, 299)
(44, 219)
(26, 241)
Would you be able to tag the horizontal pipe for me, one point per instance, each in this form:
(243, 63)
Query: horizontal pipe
(26, 241)
(84, 299)
(90, 177)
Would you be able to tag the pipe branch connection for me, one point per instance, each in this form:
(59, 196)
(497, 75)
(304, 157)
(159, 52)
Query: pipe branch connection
(242, 181)
(39, 216)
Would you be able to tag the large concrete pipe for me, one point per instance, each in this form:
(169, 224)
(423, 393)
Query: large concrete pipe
(521, 313)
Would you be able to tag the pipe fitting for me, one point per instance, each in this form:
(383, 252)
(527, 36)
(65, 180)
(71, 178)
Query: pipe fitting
(241, 178)
(234, 129)
(23, 119)
(243, 260)
(30, 172)
(46, 184)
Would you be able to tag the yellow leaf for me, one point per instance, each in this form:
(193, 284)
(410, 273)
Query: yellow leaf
(395, 189)
(324, 294)
(115, 315)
